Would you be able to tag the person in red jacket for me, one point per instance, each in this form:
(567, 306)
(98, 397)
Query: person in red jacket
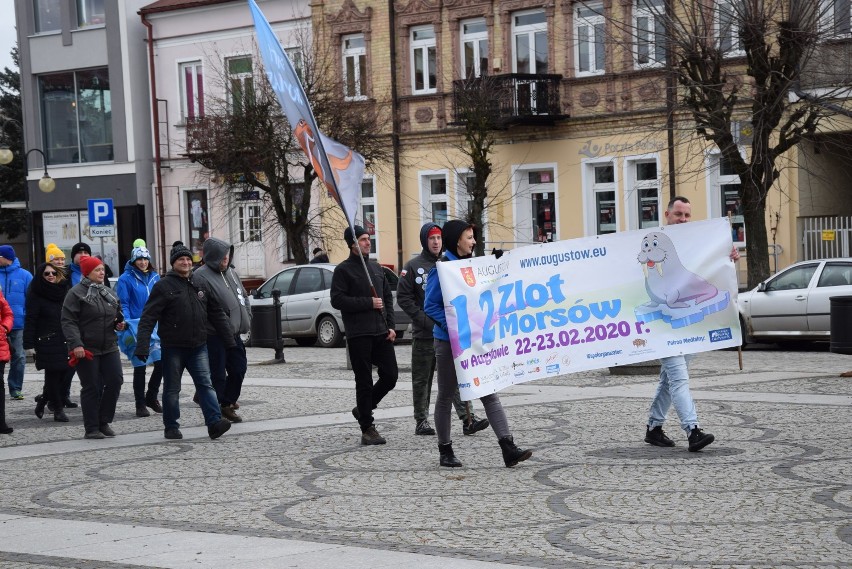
(6, 322)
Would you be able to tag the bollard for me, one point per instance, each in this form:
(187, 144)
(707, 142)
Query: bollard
(841, 324)
(279, 341)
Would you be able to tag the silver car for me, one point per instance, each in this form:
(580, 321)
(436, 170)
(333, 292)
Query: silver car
(794, 304)
(306, 312)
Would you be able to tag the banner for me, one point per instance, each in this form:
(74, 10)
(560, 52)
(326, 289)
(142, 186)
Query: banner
(338, 167)
(594, 302)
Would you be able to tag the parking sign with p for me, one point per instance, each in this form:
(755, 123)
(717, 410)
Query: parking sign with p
(101, 212)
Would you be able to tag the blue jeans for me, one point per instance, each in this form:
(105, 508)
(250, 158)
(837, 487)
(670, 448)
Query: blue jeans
(19, 360)
(193, 360)
(673, 389)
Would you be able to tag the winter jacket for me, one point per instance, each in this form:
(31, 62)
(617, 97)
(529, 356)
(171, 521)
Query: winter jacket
(74, 274)
(225, 286)
(14, 281)
(411, 290)
(433, 305)
(43, 323)
(89, 317)
(182, 306)
(7, 318)
(351, 295)
(134, 288)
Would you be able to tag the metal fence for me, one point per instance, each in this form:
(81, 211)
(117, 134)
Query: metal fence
(825, 237)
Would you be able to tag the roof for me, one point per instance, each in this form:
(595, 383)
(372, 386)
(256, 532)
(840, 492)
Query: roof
(171, 5)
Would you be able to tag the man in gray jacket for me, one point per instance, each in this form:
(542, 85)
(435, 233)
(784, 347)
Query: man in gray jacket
(227, 365)
(410, 293)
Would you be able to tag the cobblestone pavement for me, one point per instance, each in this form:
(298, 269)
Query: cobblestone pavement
(773, 490)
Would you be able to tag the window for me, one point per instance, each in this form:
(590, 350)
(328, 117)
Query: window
(308, 280)
(424, 61)
(197, 222)
(191, 90)
(836, 17)
(280, 282)
(297, 58)
(464, 199)
(729, 192)
(529, 31)
(644, 196)
(90, 13)
(368, 212)
(354, 67)
(248, 221)
(603, 190)
(241, 83)
(649, 18)
(836, 274)
(474, 48)
(795, 278)
(433, 191)
(47, 16)
(728, 18)
(77, 116)
(589, 52)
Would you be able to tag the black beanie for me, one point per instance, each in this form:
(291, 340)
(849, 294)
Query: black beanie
(347, 234)
(178, 251)
(452, 232)
(80, 247)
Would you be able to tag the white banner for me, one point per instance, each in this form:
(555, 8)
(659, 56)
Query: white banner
(556, 308)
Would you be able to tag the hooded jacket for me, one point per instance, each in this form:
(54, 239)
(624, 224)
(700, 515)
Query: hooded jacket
(14, 281)
(89, 316)
(225, 286)
(411, 290)
(134, 288)
(433, 305)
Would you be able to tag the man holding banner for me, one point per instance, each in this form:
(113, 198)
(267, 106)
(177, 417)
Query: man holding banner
(673, 388)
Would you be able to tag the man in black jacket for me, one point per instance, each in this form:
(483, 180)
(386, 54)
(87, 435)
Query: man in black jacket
(369, 324)
(410, 293)
(183, 307)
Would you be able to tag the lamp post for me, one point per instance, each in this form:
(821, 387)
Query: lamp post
(46, 184)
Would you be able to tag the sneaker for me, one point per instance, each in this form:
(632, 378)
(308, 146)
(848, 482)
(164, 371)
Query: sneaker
(699, 439)
(657, 437)
(424, 428)
(94, 435)
(17, 395)
(216, 430)
(372, 437)
(231, 415)
(142, 411)
(107, 430)
(476, 425)
(173, 434)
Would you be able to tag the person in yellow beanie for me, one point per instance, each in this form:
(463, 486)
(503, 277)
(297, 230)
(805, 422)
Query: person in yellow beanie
(54, 255)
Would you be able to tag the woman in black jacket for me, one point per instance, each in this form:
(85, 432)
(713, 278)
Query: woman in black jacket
(43, 332)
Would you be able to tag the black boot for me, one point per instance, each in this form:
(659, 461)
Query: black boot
(40, 405)
(59, 416)
(448, 458)
(512, 455)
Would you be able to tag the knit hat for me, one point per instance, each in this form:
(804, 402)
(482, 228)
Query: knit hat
(7, 252)
(178, 251)
(347, 235)
(139, 253)
(89, 264)
(53, 252)
(79, 247)
(139, 243)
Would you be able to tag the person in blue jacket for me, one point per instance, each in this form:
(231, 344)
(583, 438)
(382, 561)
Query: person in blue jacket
(133, 289)
(78, 251)
(14, 281)
(458, 244)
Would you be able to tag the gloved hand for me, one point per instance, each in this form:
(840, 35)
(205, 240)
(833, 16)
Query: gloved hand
(73, 361)
(497, 252)
(141, 356)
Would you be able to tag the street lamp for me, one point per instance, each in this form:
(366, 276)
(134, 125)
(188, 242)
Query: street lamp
(46, 184)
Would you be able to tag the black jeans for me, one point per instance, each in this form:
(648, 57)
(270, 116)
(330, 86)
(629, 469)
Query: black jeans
(101, 380)
(228, 368)
(54, 387)
(139, 394)
(364, 353)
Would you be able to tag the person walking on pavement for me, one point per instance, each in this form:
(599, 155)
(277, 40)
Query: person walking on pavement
(56, 257)
(7, 318)
(673, 387)
(133, 289)
(91, 314)
(459, 243)
(183, 306)
(369, 324)
(14, 281)
(228, 366)
(410, 293)
(78, 251)
(43, 333)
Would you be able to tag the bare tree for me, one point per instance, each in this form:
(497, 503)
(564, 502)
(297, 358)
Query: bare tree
(245, 139)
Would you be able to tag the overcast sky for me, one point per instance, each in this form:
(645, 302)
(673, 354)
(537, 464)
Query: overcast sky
(7, 38)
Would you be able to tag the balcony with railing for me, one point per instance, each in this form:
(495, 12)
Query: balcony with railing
(506, 100)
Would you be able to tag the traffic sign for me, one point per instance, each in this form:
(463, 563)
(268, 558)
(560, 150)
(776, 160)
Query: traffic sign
(101, 231)
(101, 212)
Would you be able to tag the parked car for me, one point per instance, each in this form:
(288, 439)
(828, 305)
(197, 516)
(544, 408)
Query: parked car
(306, 312)
(794, 304)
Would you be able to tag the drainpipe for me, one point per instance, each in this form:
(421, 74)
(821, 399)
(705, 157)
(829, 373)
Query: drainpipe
(671, 93)
(395, 134)
(155, 111)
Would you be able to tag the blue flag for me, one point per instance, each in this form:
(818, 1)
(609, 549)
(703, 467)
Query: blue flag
(340, 168)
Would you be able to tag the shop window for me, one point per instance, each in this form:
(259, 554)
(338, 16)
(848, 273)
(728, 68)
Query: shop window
(603, 193)
(644, 194)
(368, 213)
(197, 222)
(434, 197)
